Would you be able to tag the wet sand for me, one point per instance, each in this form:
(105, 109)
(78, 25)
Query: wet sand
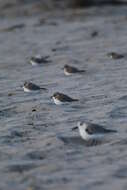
(38, 150)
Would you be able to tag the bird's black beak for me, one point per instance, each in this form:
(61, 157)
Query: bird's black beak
(51, 97)
(74, 128)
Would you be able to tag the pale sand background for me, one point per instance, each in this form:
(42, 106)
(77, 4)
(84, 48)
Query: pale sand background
(32, 154)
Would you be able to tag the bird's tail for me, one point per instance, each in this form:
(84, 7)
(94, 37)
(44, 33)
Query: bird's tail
(111, 131)
(75, 100)
(82, 71)
(44, 89)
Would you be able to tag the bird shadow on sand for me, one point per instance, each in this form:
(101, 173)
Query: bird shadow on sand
(77, 141)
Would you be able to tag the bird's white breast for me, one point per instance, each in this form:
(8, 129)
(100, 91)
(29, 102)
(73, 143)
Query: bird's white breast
(87, 136)
(56, 101)
(67, 73)
(33, 63)
(26, 89)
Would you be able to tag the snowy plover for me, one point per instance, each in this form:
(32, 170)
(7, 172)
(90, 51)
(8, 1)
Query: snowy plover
(38, 60)
(115, 55)
(69, 70)
(60, 98)
(29, 86)
(90, 131)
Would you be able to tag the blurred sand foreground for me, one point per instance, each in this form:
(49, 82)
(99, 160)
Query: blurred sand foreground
(28, 7)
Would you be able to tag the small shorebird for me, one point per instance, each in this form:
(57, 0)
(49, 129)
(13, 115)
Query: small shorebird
(114, 55)
(29, 87)
(38, 60)
(90, 131)
(69, 70)
(60, 98)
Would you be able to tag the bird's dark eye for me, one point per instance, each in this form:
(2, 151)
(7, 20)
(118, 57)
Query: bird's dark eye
(87, 130)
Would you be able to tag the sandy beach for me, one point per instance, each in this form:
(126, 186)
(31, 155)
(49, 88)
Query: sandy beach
(38, 149)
